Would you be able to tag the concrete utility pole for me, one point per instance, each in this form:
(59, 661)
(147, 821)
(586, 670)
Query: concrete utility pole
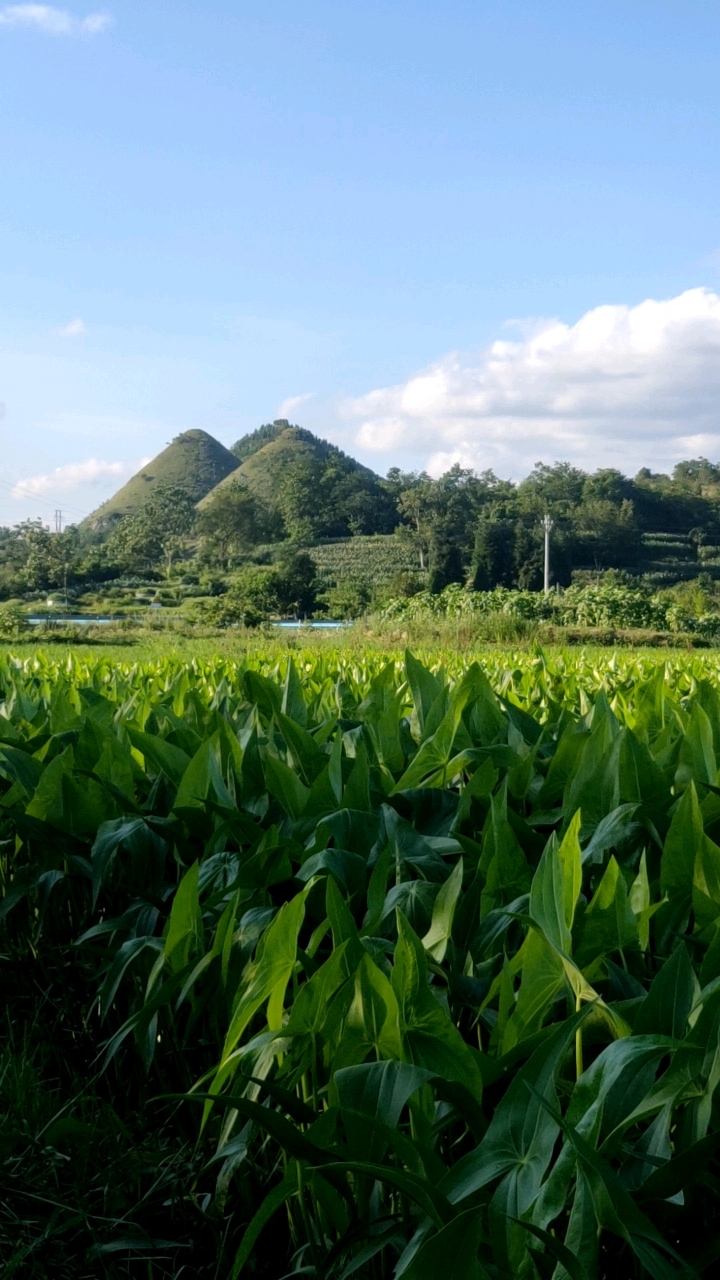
(58, 520)
(547, 525)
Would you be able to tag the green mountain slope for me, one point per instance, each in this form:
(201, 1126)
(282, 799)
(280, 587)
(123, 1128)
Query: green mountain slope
(256, 440)
(194, 461)
(316, 488)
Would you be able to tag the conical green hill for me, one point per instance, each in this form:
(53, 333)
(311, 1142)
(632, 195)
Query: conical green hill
(317, 489)
(269, 461)
(194, 461)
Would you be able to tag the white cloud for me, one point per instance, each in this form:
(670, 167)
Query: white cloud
(73, 329)
(75, 475)
(288, 407)
(52, 21)
(624, 386)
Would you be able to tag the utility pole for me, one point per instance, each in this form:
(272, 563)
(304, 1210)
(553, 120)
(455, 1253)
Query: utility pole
(58, 520)
(547, 525)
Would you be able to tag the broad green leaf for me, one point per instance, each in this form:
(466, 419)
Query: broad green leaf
(682, 843)
(375, 1091)
(556, 886)
(373, 1019)
(697, 757)
(616, 1082)
(357, 788)
(437, 938)
(615, 1210)
(639, 900)
(47, 802)
(666, 1007)
(680, 1172)
(563, 765)
(614, 829)
(636, 778)
(502, 862)
(451, 1254)
(348, 868)
(429, 1037)
(203, 779)
(436, 750)
(425, 688)
(342, 924)
(379, 1089)
(265, 693)
(609, 923)
(266, 980)
(115, 766)
(185, 933)
(293, 702)
(110, 836)
(542, 980)
(706, 883)
(163, 755)
(377, 889)
(20, 767)
(285, 786)
(521, 1135)
(303, 748)
(269, 1207)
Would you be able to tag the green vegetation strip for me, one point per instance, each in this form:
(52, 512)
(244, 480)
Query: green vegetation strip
(339, 966)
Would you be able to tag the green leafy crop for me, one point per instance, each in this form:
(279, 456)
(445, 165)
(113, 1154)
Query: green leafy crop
(400, 970)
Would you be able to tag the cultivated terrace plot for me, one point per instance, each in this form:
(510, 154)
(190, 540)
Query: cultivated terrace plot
(350, 967)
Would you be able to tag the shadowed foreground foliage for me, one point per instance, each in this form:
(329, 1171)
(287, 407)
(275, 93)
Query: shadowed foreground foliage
(356, 969)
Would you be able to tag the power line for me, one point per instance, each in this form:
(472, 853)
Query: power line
(46, 502)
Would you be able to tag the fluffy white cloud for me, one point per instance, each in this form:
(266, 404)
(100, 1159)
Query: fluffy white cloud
(287, 408)
(53, 22)
(73, 329)
(624, 386)
(75, 475)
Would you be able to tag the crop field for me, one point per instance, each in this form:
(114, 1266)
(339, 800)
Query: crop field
(370, 558)
(332, 964)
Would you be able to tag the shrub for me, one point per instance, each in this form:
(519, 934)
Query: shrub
(12, 621)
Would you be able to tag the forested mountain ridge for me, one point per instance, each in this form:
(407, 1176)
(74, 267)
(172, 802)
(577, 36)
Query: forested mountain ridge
(257, 519)
(308, 487)
(254, 440)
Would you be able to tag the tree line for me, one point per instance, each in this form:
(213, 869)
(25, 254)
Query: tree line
(462, 527)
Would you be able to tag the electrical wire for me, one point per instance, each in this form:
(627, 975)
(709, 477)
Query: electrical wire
(46, 502)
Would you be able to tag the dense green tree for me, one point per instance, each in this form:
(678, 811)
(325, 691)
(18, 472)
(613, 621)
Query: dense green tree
(494, 554)
(48, 559)
(259, 592)
(447, 561)
(295, 584)
(608, 532)
(695, 473)
(158, 532)
(607, 485)
(416, 508)
(234, 521)
(559, 486)
(302, 499)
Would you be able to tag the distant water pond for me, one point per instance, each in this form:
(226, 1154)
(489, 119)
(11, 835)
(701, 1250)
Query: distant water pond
(85, 621)
(318, 626)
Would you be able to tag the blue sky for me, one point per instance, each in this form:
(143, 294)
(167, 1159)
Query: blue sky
(428, 231)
